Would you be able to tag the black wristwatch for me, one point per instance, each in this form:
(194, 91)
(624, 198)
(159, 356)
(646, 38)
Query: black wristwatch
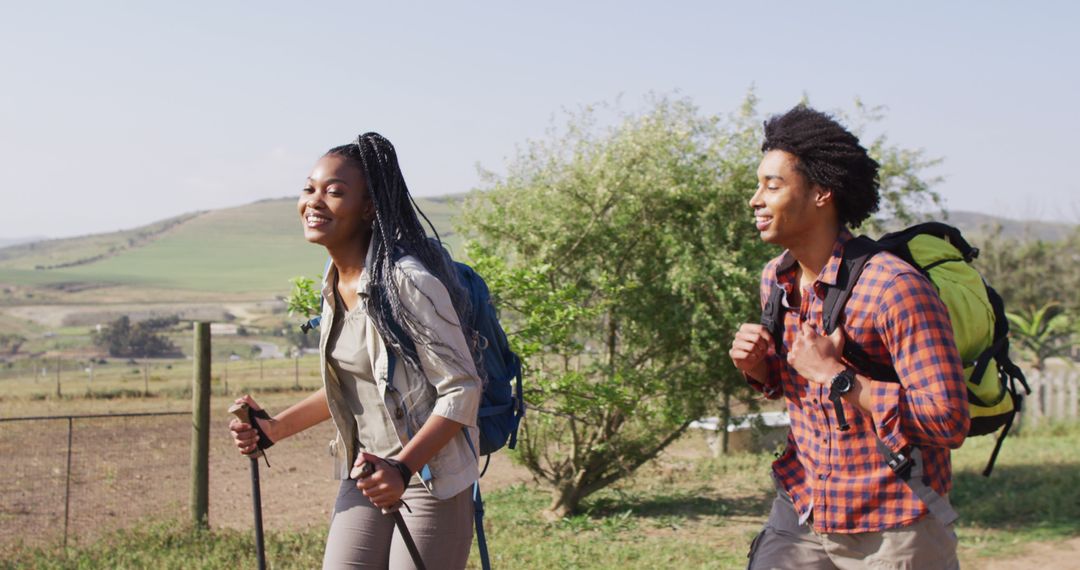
(842, 383)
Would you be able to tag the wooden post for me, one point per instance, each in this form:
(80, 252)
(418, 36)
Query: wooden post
(296, 368)
(146, 377)
(58, 394)
(725, 419)
(1073, 397)
(200, 433)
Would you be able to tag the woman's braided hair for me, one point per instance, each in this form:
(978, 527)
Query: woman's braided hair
(396, 233)
(830, 157)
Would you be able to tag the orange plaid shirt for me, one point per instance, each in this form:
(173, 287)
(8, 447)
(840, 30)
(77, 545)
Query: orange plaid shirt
(838, 479)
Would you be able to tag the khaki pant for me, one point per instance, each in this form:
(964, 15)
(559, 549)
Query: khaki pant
(362, 537)
(785, 544)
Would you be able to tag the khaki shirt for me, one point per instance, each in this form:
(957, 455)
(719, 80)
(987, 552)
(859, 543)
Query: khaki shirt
(447, 387)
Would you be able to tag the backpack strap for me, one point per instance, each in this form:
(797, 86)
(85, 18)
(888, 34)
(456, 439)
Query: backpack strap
(772, 316)
(908, 467)
(857, 252)
(478, 510)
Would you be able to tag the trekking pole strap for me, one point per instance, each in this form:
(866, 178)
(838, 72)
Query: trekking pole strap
(908, 467)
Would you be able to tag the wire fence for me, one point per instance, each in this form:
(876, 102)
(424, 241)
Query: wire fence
(101, 378)
(71, 479)
(86, 474)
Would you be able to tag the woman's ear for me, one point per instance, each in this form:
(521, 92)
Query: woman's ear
(368, 212)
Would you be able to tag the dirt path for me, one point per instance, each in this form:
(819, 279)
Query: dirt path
(1062, 555)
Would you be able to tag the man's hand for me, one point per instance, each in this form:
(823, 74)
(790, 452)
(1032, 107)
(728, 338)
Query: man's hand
(816, 357)
(749, 349)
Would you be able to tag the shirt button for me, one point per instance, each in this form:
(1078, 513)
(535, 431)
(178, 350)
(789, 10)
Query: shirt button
(815, 400)
(821, 477)
(400, 413)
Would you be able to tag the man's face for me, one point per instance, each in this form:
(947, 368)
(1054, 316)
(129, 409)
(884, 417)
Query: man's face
(786, 205)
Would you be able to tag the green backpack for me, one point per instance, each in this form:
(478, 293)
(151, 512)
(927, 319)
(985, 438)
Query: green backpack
(976, 311)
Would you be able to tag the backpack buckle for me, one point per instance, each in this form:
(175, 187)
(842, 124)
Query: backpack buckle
(901, 462)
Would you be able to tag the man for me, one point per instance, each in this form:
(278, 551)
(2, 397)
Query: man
(839, 503)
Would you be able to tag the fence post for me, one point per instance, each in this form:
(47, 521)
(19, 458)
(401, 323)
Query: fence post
(200, 433)
(58, 394)
(67, 484)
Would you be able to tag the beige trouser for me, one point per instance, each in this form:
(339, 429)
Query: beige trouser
(784, 544)
(362, 537)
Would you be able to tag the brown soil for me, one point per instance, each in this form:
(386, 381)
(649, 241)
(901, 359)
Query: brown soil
(128, 470)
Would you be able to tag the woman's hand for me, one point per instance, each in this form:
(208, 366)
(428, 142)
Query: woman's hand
(244, 435)
(385, 486)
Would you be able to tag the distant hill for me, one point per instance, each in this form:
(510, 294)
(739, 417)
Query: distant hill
(253, 250)
(976, 224)
(5, 242)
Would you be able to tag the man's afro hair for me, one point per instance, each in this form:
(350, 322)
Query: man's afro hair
(830, 157)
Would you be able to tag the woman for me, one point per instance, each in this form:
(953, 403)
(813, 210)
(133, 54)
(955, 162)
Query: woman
(399, 377)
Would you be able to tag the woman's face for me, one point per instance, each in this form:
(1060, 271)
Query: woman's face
(335, 209)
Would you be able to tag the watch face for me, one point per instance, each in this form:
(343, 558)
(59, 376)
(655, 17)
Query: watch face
(843, 382)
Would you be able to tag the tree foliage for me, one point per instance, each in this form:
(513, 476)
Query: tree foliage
(1031, 272)
(138, 340)
(10, 343)
(627, 258)
(304, 298)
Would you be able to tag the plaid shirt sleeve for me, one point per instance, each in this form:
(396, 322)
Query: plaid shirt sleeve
(929, 406)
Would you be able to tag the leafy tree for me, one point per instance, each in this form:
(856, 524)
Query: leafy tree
(1030, 272)
(11, 342)
(1045, 332)
(304, 298)
(628, 259)
(139, 340)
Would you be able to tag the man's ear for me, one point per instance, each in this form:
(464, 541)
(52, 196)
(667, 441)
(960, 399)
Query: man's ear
(822, 196)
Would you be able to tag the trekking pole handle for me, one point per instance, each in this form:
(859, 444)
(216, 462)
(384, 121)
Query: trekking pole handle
(243, 412)
(365, 470)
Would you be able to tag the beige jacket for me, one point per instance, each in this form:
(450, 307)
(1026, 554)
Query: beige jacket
(446, 388)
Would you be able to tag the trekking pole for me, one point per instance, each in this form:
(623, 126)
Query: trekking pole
(363, 472)
(243, 412)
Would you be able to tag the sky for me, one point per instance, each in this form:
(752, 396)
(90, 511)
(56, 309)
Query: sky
(117, 114)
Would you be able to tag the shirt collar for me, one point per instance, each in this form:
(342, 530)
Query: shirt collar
(785, 270)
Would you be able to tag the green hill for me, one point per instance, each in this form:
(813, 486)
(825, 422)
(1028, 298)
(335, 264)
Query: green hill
(252, 249)
(248, 251)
